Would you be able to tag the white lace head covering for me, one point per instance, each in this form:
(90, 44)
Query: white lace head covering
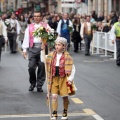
(61, 40)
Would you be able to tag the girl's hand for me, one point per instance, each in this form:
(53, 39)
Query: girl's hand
(69, 82)
(42, 47)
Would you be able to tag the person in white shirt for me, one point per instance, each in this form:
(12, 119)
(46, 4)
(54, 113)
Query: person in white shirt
(13, 30)
(86, 34)
(62, 28)
(34, 45)
(3, 35)
(60, 71)
(2, 19)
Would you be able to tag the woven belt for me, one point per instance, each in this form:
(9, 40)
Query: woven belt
(37, 45)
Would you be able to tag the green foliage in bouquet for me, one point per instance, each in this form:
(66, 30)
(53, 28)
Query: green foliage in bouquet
(41, 32)
(46, 34)
(94, 27)
(7, 22)
(70, 28)
(51, 38)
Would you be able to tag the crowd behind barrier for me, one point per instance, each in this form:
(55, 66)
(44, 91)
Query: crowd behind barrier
(100, 22)
(101, 40)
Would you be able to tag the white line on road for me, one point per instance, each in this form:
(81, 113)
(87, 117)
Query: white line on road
(40, 115)
(97, 117)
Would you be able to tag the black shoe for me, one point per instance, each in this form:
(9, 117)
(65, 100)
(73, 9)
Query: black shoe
(64, 116)
(39, 90)
(75, 51)
(31, 88)
(87, 54)
(11, 52)
(54, 115)
(14, 52)
(118, 64)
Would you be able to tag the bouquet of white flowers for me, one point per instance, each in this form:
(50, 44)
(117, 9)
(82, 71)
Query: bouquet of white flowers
(70, 28)
(48, 35)
(94, 26)
(7, 22)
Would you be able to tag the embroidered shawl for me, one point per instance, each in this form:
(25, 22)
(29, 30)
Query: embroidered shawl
(68, 65)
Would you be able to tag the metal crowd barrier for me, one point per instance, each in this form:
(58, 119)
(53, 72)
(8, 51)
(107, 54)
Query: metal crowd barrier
(101, 40)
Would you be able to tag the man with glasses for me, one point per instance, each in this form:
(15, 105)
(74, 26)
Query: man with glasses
(34, 44)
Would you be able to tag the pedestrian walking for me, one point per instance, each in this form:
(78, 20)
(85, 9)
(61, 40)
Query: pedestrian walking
(3, 35)
(13, 30)
(60, 71)
(53, 23)
(62, 28)
(34, 46)
(76, 38)
(116, 31)
(2, 19)
(86, 34)
(23, 25)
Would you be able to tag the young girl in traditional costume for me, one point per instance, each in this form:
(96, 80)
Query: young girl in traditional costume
(60, 71)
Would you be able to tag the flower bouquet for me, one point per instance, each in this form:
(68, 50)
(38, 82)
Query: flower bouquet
(47, 35)
(94, 27)
(7, 22)
(70, 28)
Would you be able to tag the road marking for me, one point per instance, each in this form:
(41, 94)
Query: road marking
(94, 61)
(40, 115)
(97, 117)
(91, 112)
(77, 100)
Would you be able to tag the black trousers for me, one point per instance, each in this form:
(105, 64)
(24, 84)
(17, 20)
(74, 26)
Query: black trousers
(76, 46)
(12, 40)
(36, 77)
(87, 39)
(118, 51)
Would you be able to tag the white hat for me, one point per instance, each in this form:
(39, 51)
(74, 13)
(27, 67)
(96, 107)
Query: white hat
(61, 40)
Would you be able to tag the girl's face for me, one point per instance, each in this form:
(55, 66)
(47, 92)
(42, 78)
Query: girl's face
(59, 47)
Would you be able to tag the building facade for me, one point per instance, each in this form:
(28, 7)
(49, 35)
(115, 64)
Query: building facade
(40, 5)
(86, 6)
(104, 6)
(68, 6)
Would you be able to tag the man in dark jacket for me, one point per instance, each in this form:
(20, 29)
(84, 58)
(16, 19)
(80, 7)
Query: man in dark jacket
(114, 18)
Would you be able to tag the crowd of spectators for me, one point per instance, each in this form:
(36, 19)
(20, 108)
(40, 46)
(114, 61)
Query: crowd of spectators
(103, 23)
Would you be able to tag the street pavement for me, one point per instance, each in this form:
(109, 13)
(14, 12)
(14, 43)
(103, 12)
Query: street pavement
(97, 98)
